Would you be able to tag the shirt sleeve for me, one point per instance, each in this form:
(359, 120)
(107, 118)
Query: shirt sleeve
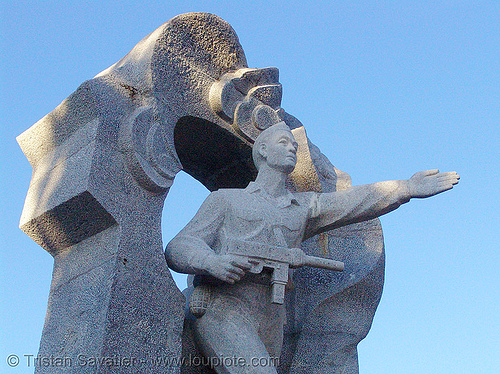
(188, 250)
(360, 203)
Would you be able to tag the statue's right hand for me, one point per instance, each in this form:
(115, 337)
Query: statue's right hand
(431, 182)
(228, 268)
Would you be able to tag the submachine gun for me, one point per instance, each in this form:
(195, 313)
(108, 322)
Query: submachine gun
(279, 260)
(263, 256)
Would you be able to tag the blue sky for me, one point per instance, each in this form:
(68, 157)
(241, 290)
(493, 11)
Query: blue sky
(384, 88)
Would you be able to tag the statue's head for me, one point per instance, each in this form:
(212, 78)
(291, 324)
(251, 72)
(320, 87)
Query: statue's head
(276, 147)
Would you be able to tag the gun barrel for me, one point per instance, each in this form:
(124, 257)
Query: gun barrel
(323, 263)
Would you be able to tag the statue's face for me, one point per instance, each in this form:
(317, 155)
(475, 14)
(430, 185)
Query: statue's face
(280, 151)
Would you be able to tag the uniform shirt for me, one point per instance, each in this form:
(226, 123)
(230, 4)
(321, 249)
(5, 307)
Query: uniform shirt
(251, 214)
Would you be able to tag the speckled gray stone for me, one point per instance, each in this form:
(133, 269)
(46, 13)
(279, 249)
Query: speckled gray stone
(103, 162)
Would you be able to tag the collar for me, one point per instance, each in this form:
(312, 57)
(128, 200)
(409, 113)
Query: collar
(282, 201)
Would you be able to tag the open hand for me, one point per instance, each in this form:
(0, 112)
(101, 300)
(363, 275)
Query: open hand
(431, 182)
(227, 268)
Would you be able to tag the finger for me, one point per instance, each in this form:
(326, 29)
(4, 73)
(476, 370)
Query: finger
(453, 179)
(430, 172)
(241, 263)
(236, 270)
(225, 278)
(232, 277)
(444, 187)
(448, 174)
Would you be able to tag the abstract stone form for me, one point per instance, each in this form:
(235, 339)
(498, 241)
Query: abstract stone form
(103, 162)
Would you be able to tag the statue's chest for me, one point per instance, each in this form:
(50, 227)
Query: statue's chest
(268, 221)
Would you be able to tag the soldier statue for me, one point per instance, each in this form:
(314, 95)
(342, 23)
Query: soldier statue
(241, 243)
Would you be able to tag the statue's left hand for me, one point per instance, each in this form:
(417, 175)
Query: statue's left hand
(431, 182)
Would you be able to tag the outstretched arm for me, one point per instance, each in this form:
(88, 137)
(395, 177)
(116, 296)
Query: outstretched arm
(362, 203)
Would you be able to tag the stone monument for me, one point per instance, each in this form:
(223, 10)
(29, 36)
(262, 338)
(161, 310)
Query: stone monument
(103, 162)
(238, 234)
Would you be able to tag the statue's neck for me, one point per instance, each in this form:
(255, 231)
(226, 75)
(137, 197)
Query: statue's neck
(272, 181)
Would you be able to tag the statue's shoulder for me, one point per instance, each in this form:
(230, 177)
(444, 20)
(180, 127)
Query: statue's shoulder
(228, 193)
(304, 198)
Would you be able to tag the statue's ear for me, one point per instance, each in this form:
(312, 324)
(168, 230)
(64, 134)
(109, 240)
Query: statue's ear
(263, 150)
